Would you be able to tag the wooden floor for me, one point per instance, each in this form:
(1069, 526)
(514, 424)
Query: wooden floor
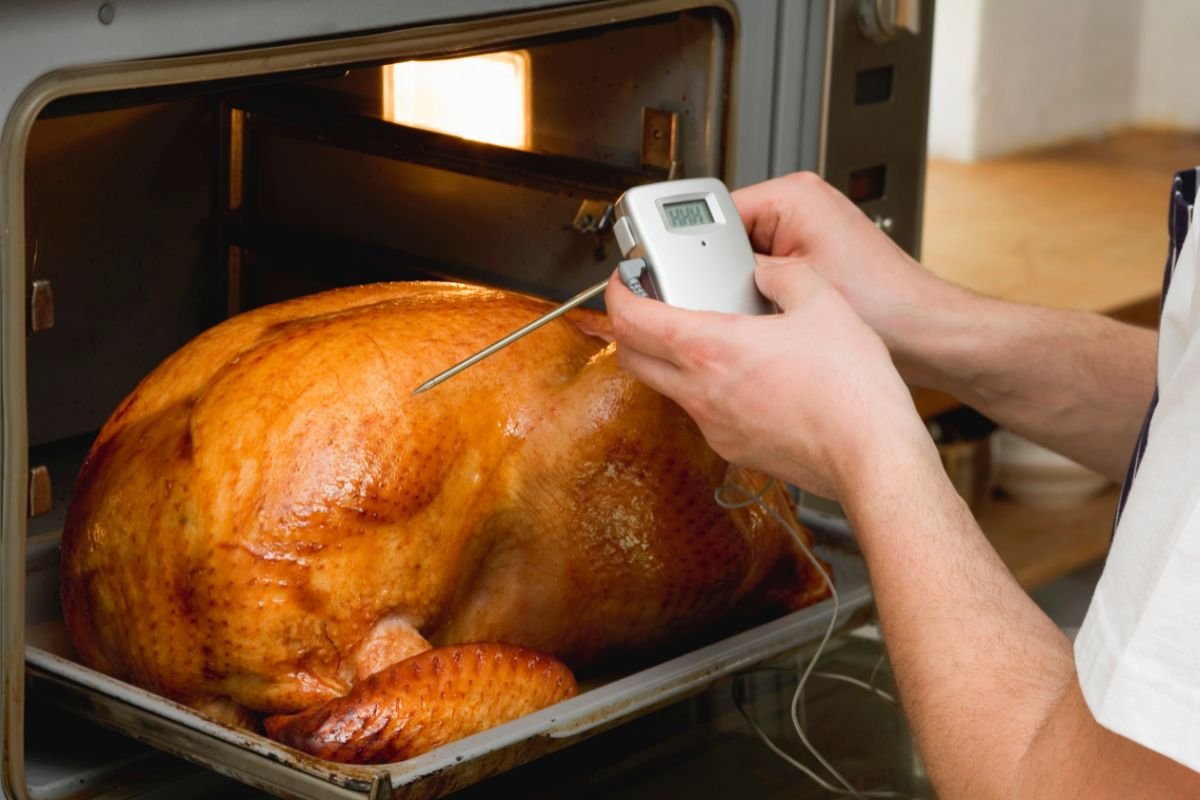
(1081, 226)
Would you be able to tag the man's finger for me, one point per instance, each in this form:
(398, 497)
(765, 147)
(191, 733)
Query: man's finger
(757, 206)
(775, 212)
(661, 376)
(648, 326)
(785, 281)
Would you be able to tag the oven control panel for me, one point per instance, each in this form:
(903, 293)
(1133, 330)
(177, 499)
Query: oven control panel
(856, 74)
(876, 110)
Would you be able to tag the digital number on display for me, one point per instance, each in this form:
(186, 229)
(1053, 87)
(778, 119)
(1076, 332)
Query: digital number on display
(687, 214)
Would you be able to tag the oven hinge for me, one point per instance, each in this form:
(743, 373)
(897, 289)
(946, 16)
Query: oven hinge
(41, 499)
(593, 216)
(41, 306)
(660, 142)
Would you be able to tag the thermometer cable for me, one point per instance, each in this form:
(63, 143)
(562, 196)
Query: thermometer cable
(732, 497)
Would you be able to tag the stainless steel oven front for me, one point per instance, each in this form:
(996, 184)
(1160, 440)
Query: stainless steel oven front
(164, 165)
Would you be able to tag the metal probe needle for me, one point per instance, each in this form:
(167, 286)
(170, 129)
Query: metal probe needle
(582, 297)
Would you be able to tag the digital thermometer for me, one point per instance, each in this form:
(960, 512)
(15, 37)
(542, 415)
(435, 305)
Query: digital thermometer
(683, 243)
(695, 251)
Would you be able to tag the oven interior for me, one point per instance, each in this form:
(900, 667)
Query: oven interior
(153, 213)
(150, 219)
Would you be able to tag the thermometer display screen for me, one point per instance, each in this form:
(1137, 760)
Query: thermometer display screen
(687, 213)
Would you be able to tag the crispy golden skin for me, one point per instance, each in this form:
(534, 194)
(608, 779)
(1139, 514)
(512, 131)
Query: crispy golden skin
(271, 517)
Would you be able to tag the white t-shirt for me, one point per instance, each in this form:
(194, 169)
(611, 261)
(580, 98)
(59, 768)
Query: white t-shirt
(1138, 652)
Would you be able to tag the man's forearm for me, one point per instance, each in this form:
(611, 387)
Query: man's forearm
(987, 681)
(1077, 383)
(977, 663)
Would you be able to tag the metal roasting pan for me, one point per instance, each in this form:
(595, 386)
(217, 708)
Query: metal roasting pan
(267, 765)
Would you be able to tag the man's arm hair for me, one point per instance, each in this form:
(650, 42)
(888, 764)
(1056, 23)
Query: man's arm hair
(987, 680)
(1076, 382)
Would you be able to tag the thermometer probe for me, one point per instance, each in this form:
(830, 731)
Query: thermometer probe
(683, 244)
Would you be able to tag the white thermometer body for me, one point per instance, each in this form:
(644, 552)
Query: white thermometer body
(696, 252)
(683, 244)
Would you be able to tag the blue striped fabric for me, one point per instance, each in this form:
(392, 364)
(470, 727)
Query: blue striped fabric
(1179, 217)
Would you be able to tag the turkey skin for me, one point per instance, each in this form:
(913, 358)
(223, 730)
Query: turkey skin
(273, 530)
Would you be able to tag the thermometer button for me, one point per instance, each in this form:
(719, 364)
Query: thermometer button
(625, 238)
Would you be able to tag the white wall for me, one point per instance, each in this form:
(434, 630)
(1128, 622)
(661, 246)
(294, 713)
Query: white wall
(1168, 87)
(953, 94)
(1011, 75)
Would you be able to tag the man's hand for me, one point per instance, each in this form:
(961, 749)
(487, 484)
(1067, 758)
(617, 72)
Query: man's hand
(809, 395)
(801, 217)
(1057, 377)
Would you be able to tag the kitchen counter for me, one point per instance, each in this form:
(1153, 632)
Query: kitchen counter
(1081, 226)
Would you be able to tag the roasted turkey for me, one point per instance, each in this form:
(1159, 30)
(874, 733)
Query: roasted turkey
(273, 526)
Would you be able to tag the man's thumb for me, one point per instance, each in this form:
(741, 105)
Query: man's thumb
(784, 281)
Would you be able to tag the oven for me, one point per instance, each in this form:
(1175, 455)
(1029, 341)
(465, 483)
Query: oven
(166, 165)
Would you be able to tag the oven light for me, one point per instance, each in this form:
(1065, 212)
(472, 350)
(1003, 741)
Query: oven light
(484, 98)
